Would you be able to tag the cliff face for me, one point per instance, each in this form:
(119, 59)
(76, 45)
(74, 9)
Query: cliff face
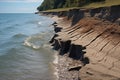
(92, 38)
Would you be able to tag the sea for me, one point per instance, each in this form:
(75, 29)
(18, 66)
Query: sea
(25, 52)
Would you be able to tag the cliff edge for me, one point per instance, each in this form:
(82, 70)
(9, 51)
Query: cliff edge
(91, 39)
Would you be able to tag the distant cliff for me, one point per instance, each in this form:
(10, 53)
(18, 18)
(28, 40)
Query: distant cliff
(54, 4)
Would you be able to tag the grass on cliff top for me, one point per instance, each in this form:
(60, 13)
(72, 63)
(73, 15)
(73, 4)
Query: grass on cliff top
(60, 9)
(103, 4)
(91, 5)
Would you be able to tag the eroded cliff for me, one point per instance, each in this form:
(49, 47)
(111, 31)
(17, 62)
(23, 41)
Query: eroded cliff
(91, 36)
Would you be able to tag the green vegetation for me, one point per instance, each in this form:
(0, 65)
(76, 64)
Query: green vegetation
(60, 9)
(102, 4)
(64, 5)
(55, 4)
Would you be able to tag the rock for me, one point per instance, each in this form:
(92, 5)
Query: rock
(65, 45)
(76, 52)
(56, 45)
(57, 29)
(52, 40)
(76, 68)
(55, 23)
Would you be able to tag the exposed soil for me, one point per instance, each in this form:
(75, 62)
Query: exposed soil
(88, 44)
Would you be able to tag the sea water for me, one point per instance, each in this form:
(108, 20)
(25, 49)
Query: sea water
(24, 50)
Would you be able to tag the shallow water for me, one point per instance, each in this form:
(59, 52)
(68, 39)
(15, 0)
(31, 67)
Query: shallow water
(24, 50)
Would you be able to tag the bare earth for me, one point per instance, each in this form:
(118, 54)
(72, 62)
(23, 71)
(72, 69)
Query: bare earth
(88, 50)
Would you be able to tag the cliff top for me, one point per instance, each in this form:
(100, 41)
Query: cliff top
(94, 4)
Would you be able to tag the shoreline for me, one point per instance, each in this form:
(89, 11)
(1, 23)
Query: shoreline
(85, 41)
(63, 62)
(55, 64)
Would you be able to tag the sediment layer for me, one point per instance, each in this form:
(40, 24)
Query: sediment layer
(90, 38)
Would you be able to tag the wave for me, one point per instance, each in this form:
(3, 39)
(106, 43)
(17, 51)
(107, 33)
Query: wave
(34, 41)
(26, 43)
(33, 22)
(38, 41)
(29, 44)
(12, 27)
(39, 22)
(19, 35)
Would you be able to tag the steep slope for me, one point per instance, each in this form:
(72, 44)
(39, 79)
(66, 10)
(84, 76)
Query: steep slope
(91, 37)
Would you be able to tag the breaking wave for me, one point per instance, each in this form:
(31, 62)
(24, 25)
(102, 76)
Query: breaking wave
(36, 41)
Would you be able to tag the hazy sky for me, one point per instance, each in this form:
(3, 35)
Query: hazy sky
(19, 6)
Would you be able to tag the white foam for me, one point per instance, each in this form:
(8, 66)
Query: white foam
(55, 58)
(35, 47)
(55, 62)
(29, 44)
(47, 46)
(39, 22)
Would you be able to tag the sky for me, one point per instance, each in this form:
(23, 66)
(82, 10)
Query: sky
(19, 6)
